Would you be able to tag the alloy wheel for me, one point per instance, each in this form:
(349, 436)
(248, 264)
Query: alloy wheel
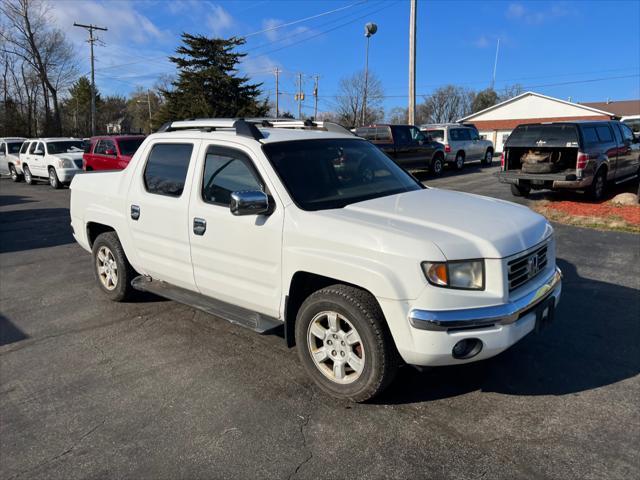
(107, 268)
(335, 347)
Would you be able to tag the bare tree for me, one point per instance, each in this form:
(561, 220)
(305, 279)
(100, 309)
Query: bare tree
(350, 99)
(28, 34)
(448, 104)
(510, 91)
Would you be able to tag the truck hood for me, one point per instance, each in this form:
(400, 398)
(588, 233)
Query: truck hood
(461, 225)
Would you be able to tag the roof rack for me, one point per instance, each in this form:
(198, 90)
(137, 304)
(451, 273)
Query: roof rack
(249, 127)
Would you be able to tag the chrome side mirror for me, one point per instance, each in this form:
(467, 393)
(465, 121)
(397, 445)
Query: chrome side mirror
(249, 203)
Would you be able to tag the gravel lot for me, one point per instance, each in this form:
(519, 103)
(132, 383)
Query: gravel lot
(155, 389)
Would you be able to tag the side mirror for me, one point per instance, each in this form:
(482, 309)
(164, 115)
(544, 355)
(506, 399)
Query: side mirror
(110, 151)
(249, 203)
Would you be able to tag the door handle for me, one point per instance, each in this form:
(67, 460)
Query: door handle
(135, 212)
(199, 226)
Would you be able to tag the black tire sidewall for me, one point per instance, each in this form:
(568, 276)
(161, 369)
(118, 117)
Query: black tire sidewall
(123, 289)
(437, 159)
(57, 184)
(14, 174)
(362, 388)
(28, 178)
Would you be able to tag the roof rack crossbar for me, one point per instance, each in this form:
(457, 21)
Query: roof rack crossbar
(249, 127)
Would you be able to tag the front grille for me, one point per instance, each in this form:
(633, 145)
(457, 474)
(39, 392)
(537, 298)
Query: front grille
(526, 267)
(78, 163)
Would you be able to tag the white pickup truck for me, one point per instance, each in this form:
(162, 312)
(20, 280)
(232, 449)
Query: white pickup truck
(301, 225)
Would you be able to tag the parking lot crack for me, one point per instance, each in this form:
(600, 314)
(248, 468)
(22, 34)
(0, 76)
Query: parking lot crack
(309, 456)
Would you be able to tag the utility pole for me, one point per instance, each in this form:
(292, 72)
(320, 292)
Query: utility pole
(495, 65)
(149, 104)
(277, 72)
(92, 40)
(300, 96)
(315, 97)
(412, 63)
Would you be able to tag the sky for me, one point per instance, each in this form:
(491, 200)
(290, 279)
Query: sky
(583, 50)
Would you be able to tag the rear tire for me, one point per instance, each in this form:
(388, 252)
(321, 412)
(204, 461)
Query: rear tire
(520, 190)
(598, 187)
(344, 343)
(53, 179)
(113, 271)
(28, 178)
(15, 176)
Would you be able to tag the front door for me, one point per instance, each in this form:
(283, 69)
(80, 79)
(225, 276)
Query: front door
(628, 152)
(236, 259)
(37, 163)
(158, 211)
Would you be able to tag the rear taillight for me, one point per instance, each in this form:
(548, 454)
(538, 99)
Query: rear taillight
(447, 148)
(502, 160)
(583, 158)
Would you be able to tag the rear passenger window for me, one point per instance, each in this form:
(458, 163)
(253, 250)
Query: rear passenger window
(465, 134)
(166, 168)
(227, 171)
(604, 133)
(589, 135)
(3, 149)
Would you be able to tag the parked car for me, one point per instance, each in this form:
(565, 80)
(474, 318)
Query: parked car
(255, 223)
(111, 152)
(582, 155)
(462, 143)
(56, 159)
(406, 145)
(633, 122)
(10, 157)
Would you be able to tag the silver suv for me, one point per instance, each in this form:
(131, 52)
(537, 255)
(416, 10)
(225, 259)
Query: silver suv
(462, 143)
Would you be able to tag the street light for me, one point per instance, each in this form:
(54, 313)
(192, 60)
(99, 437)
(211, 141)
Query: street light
(369, 30)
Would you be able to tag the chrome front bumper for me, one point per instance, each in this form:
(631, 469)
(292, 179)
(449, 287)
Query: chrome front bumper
(443, 320)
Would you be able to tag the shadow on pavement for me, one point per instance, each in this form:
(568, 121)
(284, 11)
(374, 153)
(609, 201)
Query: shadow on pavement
(6, 200)
(9, 333)
(36, 228)
(450, 171)
(592, 343)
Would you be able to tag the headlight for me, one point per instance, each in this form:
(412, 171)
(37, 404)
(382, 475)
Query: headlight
(65, 163)
(462, 274)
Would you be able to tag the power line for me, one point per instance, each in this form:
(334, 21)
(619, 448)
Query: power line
(294, 22)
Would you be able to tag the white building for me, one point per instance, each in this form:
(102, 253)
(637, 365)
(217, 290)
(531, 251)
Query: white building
(496, 123)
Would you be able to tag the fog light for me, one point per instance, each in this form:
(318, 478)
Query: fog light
(467, 348)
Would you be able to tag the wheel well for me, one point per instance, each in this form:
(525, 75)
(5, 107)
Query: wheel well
(94, 229)
(461, 152)
(438, 154)
(490, 149)
(302, 285)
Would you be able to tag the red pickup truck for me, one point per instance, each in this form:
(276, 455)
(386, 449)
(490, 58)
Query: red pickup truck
(110, 152)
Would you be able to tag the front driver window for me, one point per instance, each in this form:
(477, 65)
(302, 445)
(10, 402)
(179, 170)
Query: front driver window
(227, 171)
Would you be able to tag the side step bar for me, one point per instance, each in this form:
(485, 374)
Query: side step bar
(241, 316)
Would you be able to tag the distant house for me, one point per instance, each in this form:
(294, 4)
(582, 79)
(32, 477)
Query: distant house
(496, 123)
(119, 126)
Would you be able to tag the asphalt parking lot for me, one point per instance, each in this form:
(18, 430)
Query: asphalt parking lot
(155, 389)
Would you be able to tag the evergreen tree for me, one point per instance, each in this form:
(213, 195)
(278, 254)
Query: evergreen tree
(484, 99)
(208, 83)
(77, 108)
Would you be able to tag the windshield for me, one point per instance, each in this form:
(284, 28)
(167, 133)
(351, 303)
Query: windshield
(69, 146)
(333, 173)
(129, 146)
(14, 147)
(545, 135)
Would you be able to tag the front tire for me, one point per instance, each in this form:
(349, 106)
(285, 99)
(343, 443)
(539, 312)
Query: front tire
(487, 160)
(53, 179)
(15, 176)
(111, 267)
(344, 343)
(28, 178)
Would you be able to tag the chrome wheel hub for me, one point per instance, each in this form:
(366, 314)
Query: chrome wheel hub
(52, 178)
(336, 347)
(107, 268)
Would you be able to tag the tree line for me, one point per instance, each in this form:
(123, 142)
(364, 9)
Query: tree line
(44, 95)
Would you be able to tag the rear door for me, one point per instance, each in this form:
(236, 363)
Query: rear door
(158, 210)
(236, 259)
(609, 147)
(457, 141)
(4, 164)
